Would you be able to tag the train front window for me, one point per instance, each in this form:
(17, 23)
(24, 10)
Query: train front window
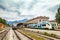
(43, 24)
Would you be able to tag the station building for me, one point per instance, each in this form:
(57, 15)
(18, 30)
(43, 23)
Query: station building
(38, 19)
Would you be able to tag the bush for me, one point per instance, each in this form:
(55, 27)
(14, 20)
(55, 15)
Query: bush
(52, 35)
(45, 33)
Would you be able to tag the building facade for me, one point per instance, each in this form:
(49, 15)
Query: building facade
(38, 19)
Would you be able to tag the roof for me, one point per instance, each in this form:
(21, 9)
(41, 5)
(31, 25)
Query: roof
(52, 21)
(42, 17)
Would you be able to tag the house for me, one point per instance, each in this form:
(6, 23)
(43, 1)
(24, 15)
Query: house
(1, 26)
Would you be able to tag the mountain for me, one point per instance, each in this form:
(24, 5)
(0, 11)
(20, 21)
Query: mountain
(12, 22)
(22, 21)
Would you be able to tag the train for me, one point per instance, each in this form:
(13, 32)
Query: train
(14, 27)
(42, 25)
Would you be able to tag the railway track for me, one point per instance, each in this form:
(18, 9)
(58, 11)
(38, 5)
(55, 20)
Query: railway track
(21, 36)
(49, 38)
(3, 34)
(17, 35)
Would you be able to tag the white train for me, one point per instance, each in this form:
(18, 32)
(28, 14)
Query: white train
(45, 25)
(42, 25)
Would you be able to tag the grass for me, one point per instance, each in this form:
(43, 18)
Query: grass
(51, 35)
(1, 29)
(32, 35)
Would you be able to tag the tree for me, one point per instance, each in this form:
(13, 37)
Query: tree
(58, 15)
(4, 22)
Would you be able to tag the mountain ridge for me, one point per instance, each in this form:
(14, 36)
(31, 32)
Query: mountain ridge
(16, 21)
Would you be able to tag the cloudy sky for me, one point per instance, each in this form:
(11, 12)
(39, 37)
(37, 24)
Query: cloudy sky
(20, 9)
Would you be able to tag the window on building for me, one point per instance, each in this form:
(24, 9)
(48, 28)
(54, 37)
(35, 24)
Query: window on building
(39, 20)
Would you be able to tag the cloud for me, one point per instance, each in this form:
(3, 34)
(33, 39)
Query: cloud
(15, 9)
(54, 8)
(2, 7)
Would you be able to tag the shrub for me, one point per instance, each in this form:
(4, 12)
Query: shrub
(52, 35)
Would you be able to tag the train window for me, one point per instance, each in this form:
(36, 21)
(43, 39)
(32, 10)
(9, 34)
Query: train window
(53, 24)
(48, 24)
(43, 24)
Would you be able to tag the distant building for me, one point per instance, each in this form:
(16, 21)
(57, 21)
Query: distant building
(53, 22)
(38, 19)
(57, 26)
(1, 26)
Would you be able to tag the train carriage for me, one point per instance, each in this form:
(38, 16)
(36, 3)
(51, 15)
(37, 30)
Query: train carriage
(42, 25)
